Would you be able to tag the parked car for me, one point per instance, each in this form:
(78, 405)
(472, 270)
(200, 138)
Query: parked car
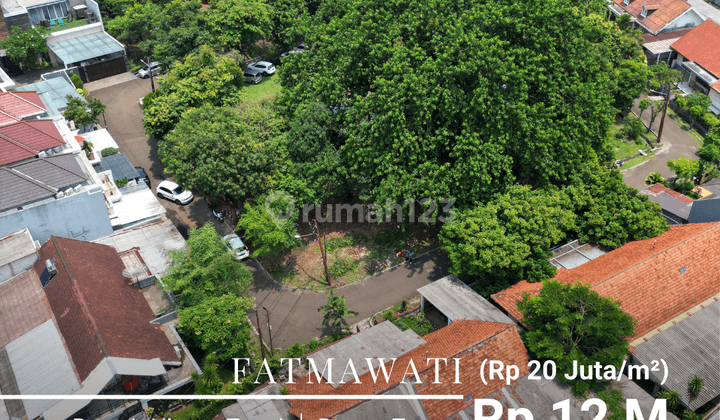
(174, 192)
(295, 51)
(252, 76)
(153, 68)
(264, 67)
(143, 176)
(236, 246)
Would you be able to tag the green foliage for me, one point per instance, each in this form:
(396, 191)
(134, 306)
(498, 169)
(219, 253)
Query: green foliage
(710, 150)
(643, 104)
(672, 398)
(681, 102)
(615, 401)
(341, 267)
(24, 45)
(270, 227)
(609, 212)
(571, 322)
(684, 168)
(711, 120)
(695, 386)
(425, 116)
(510, 237)
(209, 382)
(632, 77)
(205, 269)
(108, 151)
(121, 182)
(236, 24)
(83, 113)
(655, 178)
(698, 101)
(632, 128)
(221, 151)
(77, 81)
(334, 312)
(388, 315)
(418, 323)
(690, 415)
(203, 78)
(663, 76)
(340, 242)
(218, 325)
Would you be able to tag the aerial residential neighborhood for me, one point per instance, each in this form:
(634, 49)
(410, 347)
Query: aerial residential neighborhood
(225, 210)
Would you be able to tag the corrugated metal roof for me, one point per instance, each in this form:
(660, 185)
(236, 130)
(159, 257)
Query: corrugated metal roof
(120, 166)
(690, 349)
(53, 93)
(154, 240)
(42, 367)
(384, 340)
(83, 48)
(456, 300)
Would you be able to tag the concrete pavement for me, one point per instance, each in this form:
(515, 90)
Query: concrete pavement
(677, 143)
(294, 314)
(123, 117)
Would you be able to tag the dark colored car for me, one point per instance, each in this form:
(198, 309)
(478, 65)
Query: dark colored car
(143, 176)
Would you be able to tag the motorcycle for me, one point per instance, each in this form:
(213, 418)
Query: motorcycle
(217, 213)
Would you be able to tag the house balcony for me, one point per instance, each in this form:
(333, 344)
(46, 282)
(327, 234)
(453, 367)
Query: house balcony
(68, 25)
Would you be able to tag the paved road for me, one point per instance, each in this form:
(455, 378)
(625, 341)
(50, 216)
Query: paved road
(294, 315)
(124, 122)
(677, 143)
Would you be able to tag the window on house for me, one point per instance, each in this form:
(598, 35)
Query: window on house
(52, 11)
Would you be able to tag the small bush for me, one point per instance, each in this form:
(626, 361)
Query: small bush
(633, 128)
(338, 243)
(108, 151)
(418, 323)
(695, 386)
(294, 351)
(342, 267)
(388, 315)
(148, 100)
(672, 398)
(77, 81)
(121, 182)
(711, 120)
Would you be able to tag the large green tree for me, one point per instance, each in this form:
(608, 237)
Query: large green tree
(510, 238)
(237, 24)
(219, 325)
(83, 113)
(632, 77)
(203, 78)
(270, 226)
(459, 99)
(23, 46)
(222, 151)
(205, 268)
(572, 323)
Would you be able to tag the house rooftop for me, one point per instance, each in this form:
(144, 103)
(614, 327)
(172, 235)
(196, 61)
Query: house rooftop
(16, 246)
(692, 347)
(15, 106)
(664, 12)
(694, 47)
(85, 47)
(25, 139)
(672, 202)
(102, 316)
(474, 341)
(705, 211)
(53, 92)
(655, 279)
(41, 178)
(456, 300)
(118, 164)
(23, 306)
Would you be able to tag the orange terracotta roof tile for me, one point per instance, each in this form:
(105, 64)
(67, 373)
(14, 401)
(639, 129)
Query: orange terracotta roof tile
(702, 45)
(659, 188)
(471, 341)
(665, 11)
(655, 279)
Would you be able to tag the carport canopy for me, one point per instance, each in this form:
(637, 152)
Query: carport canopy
(86, 47)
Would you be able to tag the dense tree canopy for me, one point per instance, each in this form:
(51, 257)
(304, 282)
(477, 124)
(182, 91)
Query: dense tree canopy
(24, 45)
(458, 99)
(205, 269)
(571, 322)
(204, 78)
(83, 113)
(270, 226)
(222, 151)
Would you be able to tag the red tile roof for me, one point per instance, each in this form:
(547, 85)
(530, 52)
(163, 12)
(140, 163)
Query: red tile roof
(665, 11)
(702, 45)
(98, 313)
(24, 139)
(646, 38)
(655, 279)
(471, 341)
(14, 106)
(661, 189)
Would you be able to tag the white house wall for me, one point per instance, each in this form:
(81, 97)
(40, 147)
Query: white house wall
(690, 17)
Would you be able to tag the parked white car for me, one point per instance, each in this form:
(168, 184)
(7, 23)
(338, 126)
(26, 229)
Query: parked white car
(174, 192)
(147, 70)
(265, 67)
(236, 246)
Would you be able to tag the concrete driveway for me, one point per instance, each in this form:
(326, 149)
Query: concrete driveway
(677, 143)
(124, 122)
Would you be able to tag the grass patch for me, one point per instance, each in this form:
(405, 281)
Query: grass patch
(624, 148)
(345, 241)
(74, 24)
(638, 160)
(418, 323)
(265, 90)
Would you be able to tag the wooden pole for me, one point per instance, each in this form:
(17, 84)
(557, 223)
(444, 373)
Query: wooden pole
(267, 315)
(262, 346)
(662, 119)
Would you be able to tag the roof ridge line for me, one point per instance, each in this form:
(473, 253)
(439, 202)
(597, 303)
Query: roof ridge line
(2, 111)
(634, 265)
(25, 100)
(32, 180)
(22, 145)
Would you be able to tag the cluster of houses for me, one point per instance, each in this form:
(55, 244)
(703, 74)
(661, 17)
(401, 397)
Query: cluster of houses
(83, 247)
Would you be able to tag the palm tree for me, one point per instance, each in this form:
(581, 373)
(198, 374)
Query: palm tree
(335, 311)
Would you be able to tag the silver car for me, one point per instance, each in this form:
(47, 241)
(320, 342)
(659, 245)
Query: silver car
(236, 246)
(151, 69)
(265, 67)
(252, 76)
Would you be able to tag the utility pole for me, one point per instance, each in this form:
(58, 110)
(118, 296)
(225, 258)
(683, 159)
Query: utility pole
(322, 252)
(267, 315)
(662, 119)
(262, 346)
(152, 82)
